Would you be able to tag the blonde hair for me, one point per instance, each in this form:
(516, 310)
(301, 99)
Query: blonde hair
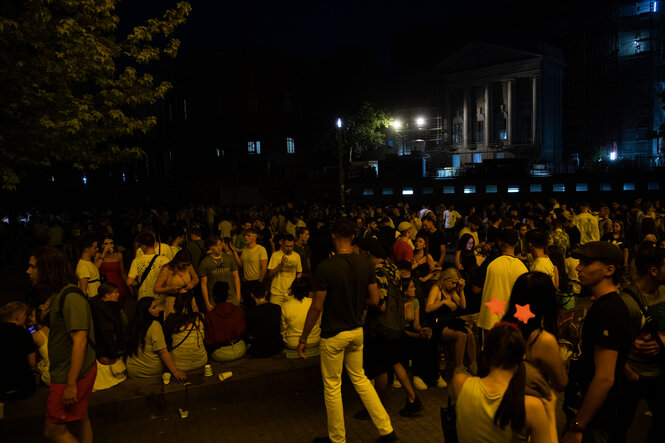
(8, 311)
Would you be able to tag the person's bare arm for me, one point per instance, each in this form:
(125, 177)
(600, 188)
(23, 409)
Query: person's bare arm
(372, 295)
(193, 279)
(83, 284)
(546, 351)
(264, 267)
(170, 365)
(603, 379)
(79, 344)
(537, 423)
(205, 293)
(443, 254)
(160, 284)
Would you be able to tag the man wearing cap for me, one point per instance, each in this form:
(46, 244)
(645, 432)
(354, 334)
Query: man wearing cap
(402, 249)
(605, 340)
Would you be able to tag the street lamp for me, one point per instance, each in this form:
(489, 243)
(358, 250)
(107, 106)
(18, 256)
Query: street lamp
(397, 124)
(340, 161)
(420, 121)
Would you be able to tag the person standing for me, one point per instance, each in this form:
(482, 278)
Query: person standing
(344, 284)
(219, 265)
(645, 368)
(145, 269)
(587, 224)
(436, 242)
(605, 340)
(87, 268)
(254, 263)
(73, 366)
(284, 267)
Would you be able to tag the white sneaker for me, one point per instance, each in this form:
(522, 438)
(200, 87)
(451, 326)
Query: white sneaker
(441, 383)
(396, 384)
(419, 384)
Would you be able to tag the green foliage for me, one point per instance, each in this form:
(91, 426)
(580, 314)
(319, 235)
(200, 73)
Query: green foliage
(366, 131)
(72, 93)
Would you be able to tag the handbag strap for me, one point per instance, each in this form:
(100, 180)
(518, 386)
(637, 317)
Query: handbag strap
(648, 318)
(183, 340)
(144, 276)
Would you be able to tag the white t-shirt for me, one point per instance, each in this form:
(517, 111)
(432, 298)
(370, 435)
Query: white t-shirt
(501, 276)
(544, 265)
(87, 269)
(451, 218)
(281, 282)
(294, 314)
(137, 269)
(251, 261)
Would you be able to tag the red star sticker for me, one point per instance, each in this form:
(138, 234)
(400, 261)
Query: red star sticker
(524, 313)
(496, 306)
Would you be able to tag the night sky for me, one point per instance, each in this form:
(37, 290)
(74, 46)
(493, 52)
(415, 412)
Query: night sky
(318, 28)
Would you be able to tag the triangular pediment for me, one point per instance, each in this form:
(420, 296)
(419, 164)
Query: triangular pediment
(476, 54)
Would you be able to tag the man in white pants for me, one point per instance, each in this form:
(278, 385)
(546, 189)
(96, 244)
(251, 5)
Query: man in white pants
(344, 284)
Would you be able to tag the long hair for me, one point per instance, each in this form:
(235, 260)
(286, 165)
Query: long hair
(183, 314)
(138, 326)
(426, 248)
(464, 239)
(53, 269)
(504, 349)
(537, 290)
(182, 256)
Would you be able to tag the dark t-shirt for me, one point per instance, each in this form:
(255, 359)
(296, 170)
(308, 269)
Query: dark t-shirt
(345, 278)
(608, 326)
(264, 323)
(15, 372)
(434, 241)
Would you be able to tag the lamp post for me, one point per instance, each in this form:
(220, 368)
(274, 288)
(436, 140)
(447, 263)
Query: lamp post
(340, 161)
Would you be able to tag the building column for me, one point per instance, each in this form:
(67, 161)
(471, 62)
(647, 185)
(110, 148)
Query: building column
(465, 119)
(448, 117)
(486, 112)
(510, 94)
(534, 109)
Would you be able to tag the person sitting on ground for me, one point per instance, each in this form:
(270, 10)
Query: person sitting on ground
(264, 323)
(294, 313)
(175, 278)
(445, 299)
(17, 372)
(465, 243)
(494, 407)
(109, 337)
(418, 344)
(536, 291)
(187, 330)
(225, 326)
(39, 319)
(146, 345)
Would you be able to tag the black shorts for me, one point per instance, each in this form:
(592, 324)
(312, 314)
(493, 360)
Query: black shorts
(380, 355)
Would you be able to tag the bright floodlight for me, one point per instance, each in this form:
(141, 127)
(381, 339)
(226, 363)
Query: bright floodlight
(613, 155)
(420, 121)
(339, 122)
(397, 124)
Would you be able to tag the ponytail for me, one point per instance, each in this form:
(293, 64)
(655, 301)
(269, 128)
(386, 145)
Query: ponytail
(511, 410)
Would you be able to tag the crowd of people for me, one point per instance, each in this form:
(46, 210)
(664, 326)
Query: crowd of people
(395, 294)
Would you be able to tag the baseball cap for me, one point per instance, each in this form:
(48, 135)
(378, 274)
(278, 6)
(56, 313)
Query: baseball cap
(600, 250)
(404, 226)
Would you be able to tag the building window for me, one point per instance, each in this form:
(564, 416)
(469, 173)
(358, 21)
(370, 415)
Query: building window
(536, 187)
(491, 189)
(470, 189)
(477, 157)
(290, 146)
(448, 189)
(480, 127)
(458, 133)
(456, 161)
(254, 147)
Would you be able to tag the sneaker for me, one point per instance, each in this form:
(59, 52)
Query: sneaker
(388, 437)
(363, 414)
(396, 384)
(419, 384)
(473, 367)
(441, 383)
(411, 408)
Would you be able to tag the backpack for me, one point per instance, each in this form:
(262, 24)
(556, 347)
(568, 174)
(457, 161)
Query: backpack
(390, 323)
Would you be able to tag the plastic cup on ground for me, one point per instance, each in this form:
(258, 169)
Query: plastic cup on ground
(224, 375)
(166, 378)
